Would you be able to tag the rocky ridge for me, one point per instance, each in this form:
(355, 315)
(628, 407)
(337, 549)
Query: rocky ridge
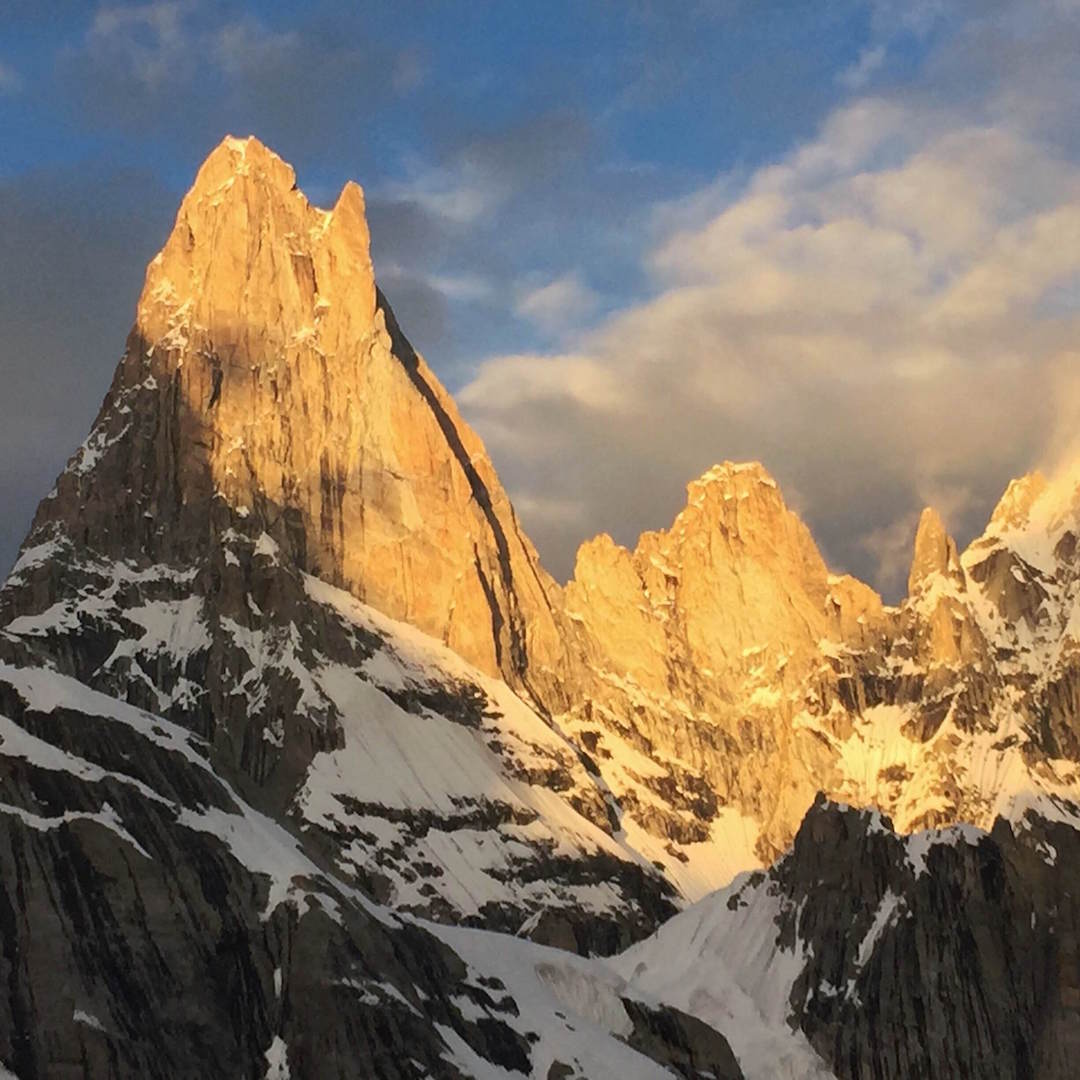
(728, 676)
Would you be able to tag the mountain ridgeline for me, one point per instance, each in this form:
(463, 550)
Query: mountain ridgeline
(310, 768)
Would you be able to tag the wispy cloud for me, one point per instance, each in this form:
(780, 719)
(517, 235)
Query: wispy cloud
(10, 80)
(150, 40)
(189, 66)
(458, 196)
(859, 74)
(558, 305)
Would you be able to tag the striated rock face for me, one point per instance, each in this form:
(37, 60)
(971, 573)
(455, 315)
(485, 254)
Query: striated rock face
(266, 371)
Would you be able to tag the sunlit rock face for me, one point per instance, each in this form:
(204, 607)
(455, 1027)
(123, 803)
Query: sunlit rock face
(935, 553)
(736, 571)
(727, 676)
(266, 371)
(690, 649)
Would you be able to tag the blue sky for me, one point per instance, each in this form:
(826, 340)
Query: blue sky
(568, 119)
(539, 179)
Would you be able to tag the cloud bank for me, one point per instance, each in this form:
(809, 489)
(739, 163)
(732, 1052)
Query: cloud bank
(888, 317)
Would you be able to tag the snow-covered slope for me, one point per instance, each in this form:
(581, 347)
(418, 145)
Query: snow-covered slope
(723, 960)
(158, 925)
(430, 785)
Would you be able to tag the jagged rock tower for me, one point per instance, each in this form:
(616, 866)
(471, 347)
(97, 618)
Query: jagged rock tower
(266, 376)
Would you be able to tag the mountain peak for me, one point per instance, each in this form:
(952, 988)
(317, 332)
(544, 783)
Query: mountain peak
(249, 256)
(734, 474)
(233, 158)
(1014, 506)
(935, 552)
(266, 377)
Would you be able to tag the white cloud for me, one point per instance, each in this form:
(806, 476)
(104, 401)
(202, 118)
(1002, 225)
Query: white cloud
(867, 315)
(511, 381)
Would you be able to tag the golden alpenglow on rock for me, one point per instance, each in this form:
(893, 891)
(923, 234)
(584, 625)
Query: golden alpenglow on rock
(935, 553)
(266, 357)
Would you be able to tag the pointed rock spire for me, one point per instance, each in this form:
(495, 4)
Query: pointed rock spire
(935, 553)
(251, 263)
(267, 378)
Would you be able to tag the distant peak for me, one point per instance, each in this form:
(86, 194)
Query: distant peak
(733, 475)
(931, 526)
(234, 157)
(935, 552)
(1014, 507)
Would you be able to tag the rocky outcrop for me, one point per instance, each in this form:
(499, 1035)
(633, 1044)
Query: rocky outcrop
(948, 955)
(736, 572)
(865, 954)
(683, 1043)
(684, 643)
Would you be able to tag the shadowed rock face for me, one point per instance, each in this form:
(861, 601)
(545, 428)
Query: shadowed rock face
(155, 924)
(956, 960)
(143, 925)
(863, 954)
